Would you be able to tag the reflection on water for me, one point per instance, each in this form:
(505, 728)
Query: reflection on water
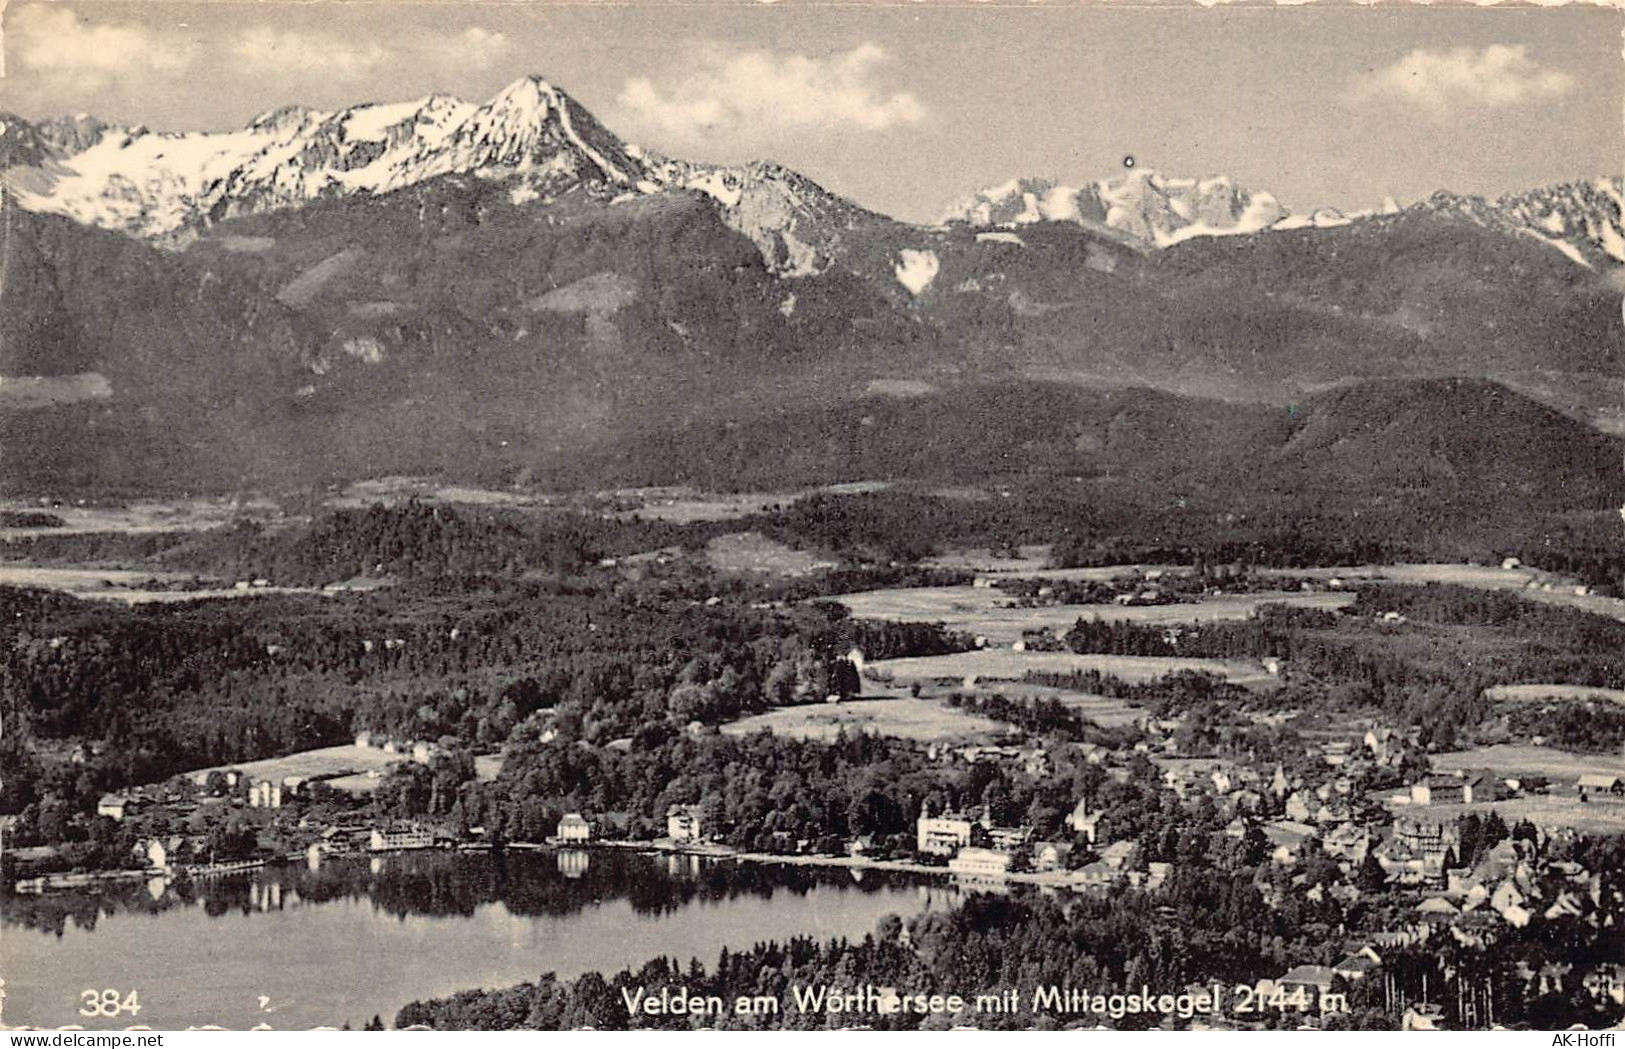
(349, 938)
(573, 863)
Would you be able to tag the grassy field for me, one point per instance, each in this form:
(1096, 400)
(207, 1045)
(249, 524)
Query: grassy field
(324, 762)
(1508, 759)
(117, 584)
(1485, 577)
(978, 611)
(1554, 812)
(1009, 665)
(754, 552)
(900, 717)
(1538, 693)
(142, 516)
(486, 767)
(1032, 562)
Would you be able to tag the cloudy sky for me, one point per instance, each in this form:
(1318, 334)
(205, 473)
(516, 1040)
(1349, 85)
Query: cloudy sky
(906, 107)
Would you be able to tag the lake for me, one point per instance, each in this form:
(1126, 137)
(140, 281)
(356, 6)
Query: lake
(294, 947)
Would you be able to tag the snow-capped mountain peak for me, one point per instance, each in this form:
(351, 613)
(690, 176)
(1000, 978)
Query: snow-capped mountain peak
(1146, 204)
(1582, 219)
(531, 124)
(163, 186)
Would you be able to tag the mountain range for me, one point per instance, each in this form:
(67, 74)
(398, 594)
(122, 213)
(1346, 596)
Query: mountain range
(508, 291)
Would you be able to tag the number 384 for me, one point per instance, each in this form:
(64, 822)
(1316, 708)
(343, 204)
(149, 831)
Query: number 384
(108, 1003)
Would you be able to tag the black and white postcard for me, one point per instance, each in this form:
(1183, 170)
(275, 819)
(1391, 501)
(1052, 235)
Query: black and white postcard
(757, 516)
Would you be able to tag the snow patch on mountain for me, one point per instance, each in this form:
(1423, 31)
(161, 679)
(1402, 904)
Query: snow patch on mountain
(916, 269)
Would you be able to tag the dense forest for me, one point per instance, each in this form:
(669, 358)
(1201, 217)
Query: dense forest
(151, 690)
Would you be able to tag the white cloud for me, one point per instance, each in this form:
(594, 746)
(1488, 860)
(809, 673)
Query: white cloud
(768, 91)
(1491, 77)
(262, 50)
(292, 54)
(474, 47)
(55, 44)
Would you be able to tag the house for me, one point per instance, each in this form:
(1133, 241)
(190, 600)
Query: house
(1084, 822)
(1347, 841)
(978, 863)
(574, 828)
(683, 823)
(1333, 813)
(1052, 855)
(1508, 901)
(396, 837)
(1093, 753)
(341, 841)
(1422, 1016)
(1313, 980)
(1565, 906)
(1287, 838)
(1596, 783)
(942, 835)
(160, 853)
(1427, 840)
(1359, 965)
(265, 794)
(1501, 861)
(1010, 839)
(1440, 790)
(1120, 855)
(1095, 877)
(423, 753)
(1437, 909)
(1035, 763)
(113, 806)
(1300, 807)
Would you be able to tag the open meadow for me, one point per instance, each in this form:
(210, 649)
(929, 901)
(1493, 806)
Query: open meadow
(1557, 811)
(130, 586)
(322, 763)
(1560, 808)
(1008, 665)
(753, 552)
(1543, 692)
(979, 610)
(898, 717)
(138, 517)
(1509, 759)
